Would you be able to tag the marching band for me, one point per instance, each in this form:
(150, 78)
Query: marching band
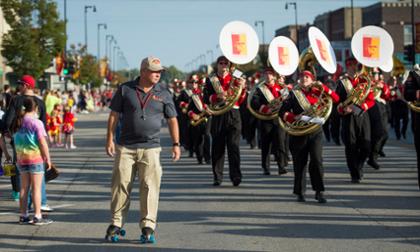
(292, 117)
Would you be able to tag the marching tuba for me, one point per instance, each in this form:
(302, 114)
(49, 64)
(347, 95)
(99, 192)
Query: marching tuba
(321, 109)
(369, 54)
(283, 57)
(320, 52)
(239, 44)
(359, 93)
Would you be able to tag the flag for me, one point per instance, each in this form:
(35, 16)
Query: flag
(323, 50)
(371, 47)
(59, 63)
(283, 56)
(239, 44)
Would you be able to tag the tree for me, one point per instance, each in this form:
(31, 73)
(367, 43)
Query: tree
(36, 36)
(86, 68)
(171, 73)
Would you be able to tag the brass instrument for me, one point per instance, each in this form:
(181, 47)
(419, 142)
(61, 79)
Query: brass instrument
(398, 69)
(415, 106)
(321, 109)
(233, 94)
(274, 105)
(359, 93)
(203, 118)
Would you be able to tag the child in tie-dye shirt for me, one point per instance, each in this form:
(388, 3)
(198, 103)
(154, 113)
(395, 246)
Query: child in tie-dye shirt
(32, 152)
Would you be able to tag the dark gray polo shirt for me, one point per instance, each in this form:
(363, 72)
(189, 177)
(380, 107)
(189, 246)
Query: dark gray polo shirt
(141, 113)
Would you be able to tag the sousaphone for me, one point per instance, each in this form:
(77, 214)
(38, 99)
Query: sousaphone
(239, 44)
(372, 46)
(284, 58)
(322, 53)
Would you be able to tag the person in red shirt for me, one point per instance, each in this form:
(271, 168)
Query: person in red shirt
(54, 126)
(309, 145)
(356, 132)
(225, 128)
(200, 133)
(68, 128)
(273, 137)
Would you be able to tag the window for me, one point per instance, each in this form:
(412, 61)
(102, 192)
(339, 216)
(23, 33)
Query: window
(408, 35)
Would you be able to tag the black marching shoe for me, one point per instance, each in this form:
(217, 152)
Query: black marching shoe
(266, 172)
(282, 171)
(300, 198)
(355, 181)
(373, 163)
(236, 181)
(319, 196)
(382, 153)
(217, 183)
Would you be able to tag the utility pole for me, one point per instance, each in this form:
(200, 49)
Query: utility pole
(413, 31)
(93, 7)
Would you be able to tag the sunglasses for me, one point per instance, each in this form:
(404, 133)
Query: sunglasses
(223, 63)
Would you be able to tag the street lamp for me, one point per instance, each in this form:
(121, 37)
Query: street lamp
(113, 57)
(93, 7)
(99, 39)
(211, 54)
(262, 26)
(296, 21)
(106, 46)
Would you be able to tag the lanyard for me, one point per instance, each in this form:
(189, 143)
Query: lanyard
(143, 103)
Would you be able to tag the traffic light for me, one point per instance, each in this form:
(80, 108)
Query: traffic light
(71, 68)
(408, 55)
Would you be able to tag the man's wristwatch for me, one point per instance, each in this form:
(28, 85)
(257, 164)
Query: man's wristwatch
(176, 144)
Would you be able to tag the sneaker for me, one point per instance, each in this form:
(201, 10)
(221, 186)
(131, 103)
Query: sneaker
(41, 222)
(73, 147)
(15, 196)
(47, 208)
(24, 220)
(147, 236)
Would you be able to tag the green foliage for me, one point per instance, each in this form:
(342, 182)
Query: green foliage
(171, 73)
(36, 36)
(86, 66)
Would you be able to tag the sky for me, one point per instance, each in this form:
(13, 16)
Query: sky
(179, 31)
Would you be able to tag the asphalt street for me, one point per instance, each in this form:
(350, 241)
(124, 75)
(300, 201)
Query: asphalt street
(380, 214)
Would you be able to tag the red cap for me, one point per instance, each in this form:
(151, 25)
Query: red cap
(28, 81)
(307, 73)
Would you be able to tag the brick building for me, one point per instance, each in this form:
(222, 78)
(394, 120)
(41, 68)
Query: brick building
(395, 17)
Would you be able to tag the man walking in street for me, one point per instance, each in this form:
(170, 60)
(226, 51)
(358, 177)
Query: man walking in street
(141, 103)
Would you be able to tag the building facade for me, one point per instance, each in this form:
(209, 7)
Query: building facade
(4, 28)
(395, 17)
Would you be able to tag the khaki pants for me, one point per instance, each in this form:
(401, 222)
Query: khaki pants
(129, 162)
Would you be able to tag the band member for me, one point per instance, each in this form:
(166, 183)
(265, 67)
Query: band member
(185, 133)
(355, 129)
(225, 128)
(249, 122)
(399, 109)
(273, 137)
(332, 125)
(293, 109)
(412, 94)
(378, 118)
(200, 132)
